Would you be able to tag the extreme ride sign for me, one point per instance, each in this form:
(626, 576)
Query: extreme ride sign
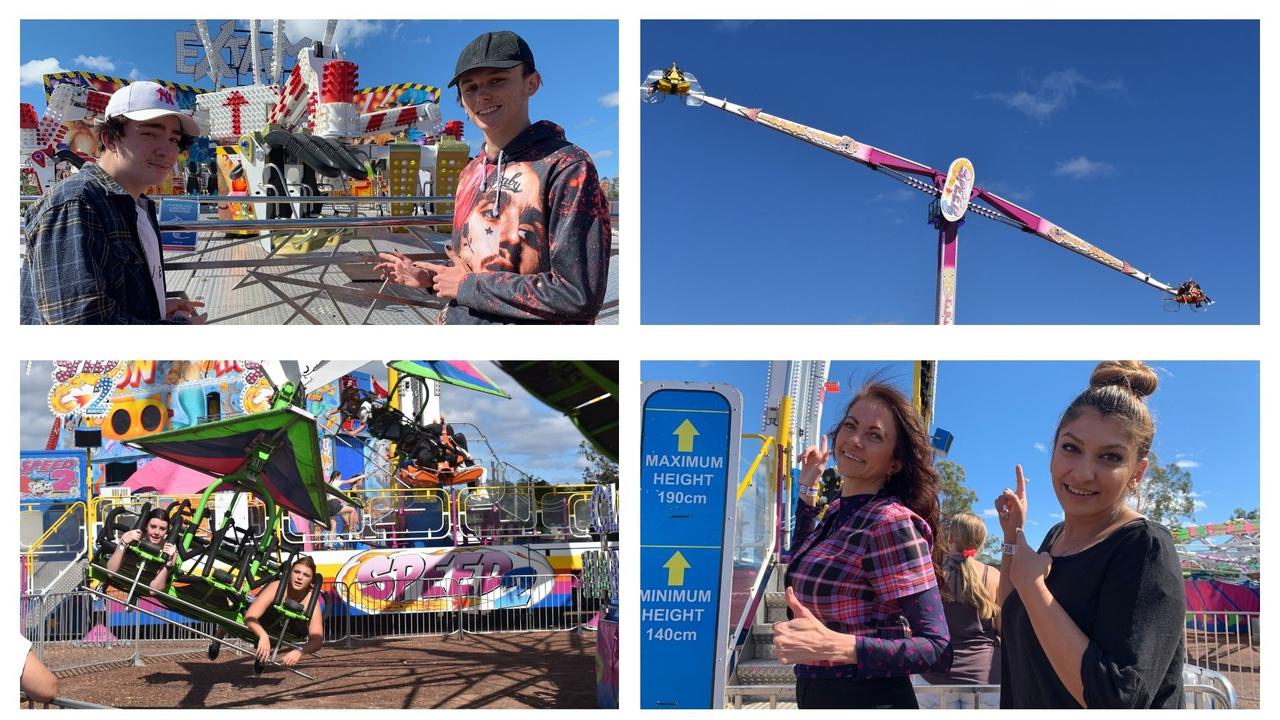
(690, 435)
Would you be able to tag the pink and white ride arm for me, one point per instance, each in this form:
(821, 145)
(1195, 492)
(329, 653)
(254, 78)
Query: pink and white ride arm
(875, 158)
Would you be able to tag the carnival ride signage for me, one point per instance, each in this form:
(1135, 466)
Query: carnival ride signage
(52, 476)
(230, 44)
(689, 465)
(449, 578)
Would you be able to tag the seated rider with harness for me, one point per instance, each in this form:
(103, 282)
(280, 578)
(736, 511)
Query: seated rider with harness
(285, 607)
(439, 457)
(152, 543)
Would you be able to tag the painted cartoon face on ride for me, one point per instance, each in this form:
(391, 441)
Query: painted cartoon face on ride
(864, 443)
(156, 529)
(300, 576)
(506, 228)
(1095, 466)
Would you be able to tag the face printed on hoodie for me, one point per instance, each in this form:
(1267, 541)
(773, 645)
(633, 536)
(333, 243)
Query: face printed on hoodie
(505, 229)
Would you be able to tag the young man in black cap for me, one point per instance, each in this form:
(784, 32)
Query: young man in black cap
(531, 230)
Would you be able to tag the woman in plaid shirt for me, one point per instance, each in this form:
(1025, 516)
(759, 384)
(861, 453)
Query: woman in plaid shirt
(863, 575)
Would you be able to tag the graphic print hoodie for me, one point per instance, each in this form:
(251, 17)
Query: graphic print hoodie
(532, 227)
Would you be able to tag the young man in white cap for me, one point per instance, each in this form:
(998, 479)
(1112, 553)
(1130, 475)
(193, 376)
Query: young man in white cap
(531, 232)
(92, 242)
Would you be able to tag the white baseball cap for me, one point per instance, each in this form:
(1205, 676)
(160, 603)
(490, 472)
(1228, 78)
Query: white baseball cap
(145, 100)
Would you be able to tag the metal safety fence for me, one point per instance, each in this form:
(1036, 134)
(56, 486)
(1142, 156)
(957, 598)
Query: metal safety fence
(1228, 644)
(81, 631)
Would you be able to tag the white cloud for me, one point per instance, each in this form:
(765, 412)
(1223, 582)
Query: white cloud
(32, 72)
(1057, 516)
(990, 512)
(609, 100)
(350, 33)
(1046, 96)
(602, 154)
(732, 26)
(1040, 446)
(1187, 464)
(1083, 167)
(1200, 504)
(134, 74)
(96, 63)
(523, 431)
(36, 418)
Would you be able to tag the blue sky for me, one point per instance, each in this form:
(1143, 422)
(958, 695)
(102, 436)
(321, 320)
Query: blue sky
(522, 431)
(1004, 413)
(578, 61)
(1140, 137)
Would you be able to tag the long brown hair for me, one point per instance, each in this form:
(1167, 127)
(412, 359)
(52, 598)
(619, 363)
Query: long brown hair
(915, 484)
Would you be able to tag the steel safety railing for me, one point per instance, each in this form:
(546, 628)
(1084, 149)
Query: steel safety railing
(386, 517)
(63, 535)
(397, 607)
(754, 536)
(953, 697)
(1226, 646)
(60, 702)
(82, 630)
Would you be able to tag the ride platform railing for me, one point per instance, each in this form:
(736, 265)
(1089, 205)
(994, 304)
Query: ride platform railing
(88, 633)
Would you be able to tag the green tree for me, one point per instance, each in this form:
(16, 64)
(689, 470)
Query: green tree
(990, 552)
(1246, 514)
(953, 496)
(1165, 494)
(599, 469)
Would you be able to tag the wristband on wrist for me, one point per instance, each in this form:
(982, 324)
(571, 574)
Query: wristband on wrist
(1008, 549)
(809, 490)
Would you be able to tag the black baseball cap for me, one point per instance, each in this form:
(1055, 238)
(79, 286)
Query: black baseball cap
(503, 49)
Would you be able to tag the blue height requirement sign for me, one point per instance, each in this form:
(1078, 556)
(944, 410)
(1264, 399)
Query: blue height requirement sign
(688, 447)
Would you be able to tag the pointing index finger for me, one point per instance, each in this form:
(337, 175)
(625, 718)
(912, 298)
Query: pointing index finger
(1022, 482)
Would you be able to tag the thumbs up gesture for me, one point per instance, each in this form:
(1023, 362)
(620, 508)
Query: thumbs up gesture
(1029, 566)
(805, 640)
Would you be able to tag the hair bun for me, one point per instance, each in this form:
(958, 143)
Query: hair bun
(1134, 375)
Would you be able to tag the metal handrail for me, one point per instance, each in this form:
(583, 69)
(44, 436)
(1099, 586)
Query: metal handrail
(35, 545)
(766, 445)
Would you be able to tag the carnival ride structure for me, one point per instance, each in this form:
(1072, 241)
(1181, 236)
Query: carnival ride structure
(298, 158)
(954, 191)
(273, 457)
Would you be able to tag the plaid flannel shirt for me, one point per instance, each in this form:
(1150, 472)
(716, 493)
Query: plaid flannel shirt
(84, 263)
(853, 571)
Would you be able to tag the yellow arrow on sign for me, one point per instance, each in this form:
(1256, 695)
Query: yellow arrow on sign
(686, 432)
(675, 569)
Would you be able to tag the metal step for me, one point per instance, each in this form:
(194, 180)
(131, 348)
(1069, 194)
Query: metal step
(762, 671)
(775, 606)
(761, 697)
(762, 641)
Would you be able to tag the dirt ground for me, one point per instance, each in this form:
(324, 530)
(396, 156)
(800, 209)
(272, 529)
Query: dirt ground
(528, 670)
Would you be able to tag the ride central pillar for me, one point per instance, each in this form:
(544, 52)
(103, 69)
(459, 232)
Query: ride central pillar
(948, 260)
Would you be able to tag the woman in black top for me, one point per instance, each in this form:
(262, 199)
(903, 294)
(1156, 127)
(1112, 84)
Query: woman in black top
(1095, 618)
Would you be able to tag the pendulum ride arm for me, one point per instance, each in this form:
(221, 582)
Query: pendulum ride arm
(904, 169)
